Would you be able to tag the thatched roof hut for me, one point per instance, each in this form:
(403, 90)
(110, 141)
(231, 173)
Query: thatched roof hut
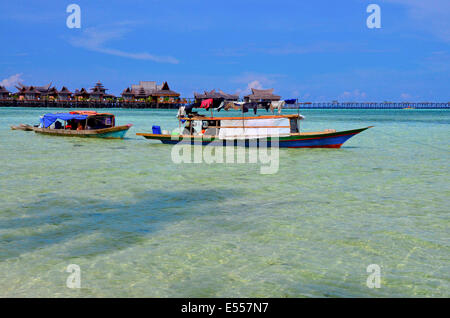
(51, 92)
(128, 94)
(65, 91)
(262, 94)
(99, 92)
(165, 91)
(141, 93)
(99, 88)
(64, 94)
(4, 93)
(41, 89)
(149, 88)
(215, 95)
(28, 93)
(81, 93)
(229, 96)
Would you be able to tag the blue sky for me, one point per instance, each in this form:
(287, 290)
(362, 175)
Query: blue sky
(312, 50)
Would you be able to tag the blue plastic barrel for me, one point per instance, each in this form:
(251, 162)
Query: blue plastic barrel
(156, 130)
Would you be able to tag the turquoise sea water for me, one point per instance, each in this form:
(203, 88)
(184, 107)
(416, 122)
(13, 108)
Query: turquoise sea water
(139, 225)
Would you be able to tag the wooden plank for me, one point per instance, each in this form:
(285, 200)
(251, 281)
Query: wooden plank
(247, 127)
(241, 117)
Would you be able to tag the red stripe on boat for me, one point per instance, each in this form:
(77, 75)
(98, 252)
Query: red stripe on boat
(318, 146)
(321, 137)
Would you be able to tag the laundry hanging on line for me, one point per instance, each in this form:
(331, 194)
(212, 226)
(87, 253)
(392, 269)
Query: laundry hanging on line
(206, 103)
(252, 105)
(221, 106)
(290, 101)
(181, 112)
(229, 105)
(265, 105)
(279, 104)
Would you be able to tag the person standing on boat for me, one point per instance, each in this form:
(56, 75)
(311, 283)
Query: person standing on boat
(80, 126)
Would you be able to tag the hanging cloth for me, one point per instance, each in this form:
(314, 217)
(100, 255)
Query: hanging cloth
(277, 105)
(206, 103)
(281, 105)
(254, 106)
(181, 112)
(229, 105)
(222, 105)
(238, 105)
(272, 106)
(188, 108)
(290, 101)
(265, 105)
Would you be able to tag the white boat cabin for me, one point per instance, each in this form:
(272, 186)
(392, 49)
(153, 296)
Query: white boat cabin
(242, 127)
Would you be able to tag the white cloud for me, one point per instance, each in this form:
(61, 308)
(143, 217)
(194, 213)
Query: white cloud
(94, 39)
(354, 95)
(405, 96)
(254, 84)
(12, 80)
(255, 80)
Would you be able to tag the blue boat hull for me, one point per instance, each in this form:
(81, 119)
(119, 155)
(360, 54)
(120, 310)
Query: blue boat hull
(319, 140)
(111, 135)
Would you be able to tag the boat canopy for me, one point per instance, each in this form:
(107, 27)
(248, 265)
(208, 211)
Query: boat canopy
(240, 128)
(90, 113)
(48, 119)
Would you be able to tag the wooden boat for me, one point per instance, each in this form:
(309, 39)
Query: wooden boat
(254, 131)
(108, 133)
(23, 127)
(81, 124)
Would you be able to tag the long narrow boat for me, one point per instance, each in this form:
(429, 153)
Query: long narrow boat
(80, 124)
(108, 133)
(281, 130)
(23, 127)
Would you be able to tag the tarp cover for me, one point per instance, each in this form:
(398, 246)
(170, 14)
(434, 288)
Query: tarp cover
(241, 129)
(49, 119)
(290, 101)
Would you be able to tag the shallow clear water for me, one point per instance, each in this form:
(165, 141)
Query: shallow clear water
(139, 225)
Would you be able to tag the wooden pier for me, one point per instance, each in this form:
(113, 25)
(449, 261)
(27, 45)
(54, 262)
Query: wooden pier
(371, 105)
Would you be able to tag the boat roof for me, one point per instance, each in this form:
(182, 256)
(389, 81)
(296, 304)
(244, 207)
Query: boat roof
(89, 113)
(244, 117)
(48, 119)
